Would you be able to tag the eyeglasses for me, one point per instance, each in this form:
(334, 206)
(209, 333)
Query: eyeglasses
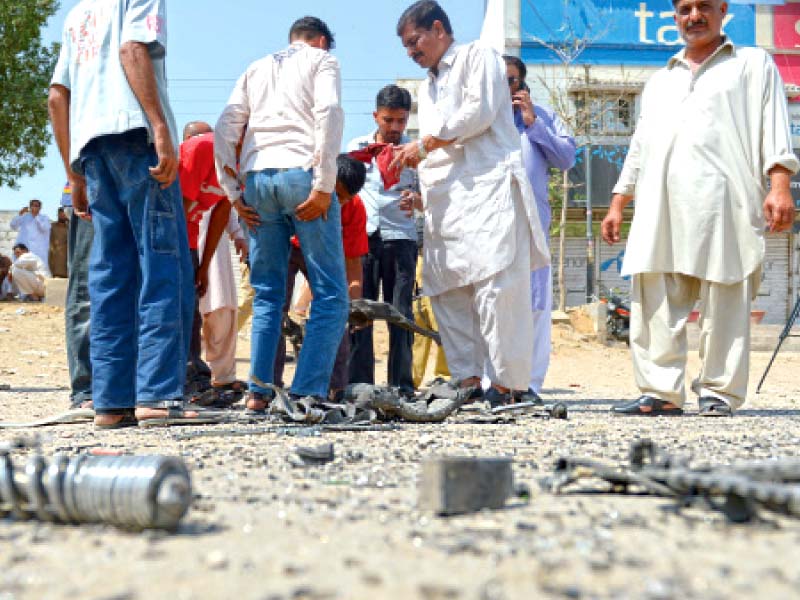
(514, 80)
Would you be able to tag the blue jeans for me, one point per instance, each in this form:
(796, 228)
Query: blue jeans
(140, 277)
(275, 194)
(76, 311)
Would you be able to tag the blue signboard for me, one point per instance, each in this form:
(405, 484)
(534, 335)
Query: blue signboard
(635, 32)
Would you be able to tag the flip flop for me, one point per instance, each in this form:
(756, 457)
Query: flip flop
(128, 420)
(177, 416)
(714, 407)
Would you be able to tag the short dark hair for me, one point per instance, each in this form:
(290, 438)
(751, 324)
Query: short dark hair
(21, 247)
(39, 202)
(393, 96)
(423, 14)
(513, 60)
(310, 27)
(351, 173)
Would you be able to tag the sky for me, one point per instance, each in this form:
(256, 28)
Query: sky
(211, 42)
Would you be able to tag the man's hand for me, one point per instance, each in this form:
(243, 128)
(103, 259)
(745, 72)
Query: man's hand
(610, 228)
(316, 206)
(410, 201)
(201, 281)
(23, 210)
(779, 210)
(80, 199)
(241, 249)
(406, 155)
(247, 213)
(522, 101)
(166, 170)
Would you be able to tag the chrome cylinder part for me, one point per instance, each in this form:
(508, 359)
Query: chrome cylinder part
(132, 492)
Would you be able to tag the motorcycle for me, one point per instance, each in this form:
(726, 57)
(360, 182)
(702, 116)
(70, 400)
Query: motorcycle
(618, 319)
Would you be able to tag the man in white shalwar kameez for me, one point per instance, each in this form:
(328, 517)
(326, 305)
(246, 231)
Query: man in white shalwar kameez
(482, 231)
(219, 306)
(28, 274)
(713, 130)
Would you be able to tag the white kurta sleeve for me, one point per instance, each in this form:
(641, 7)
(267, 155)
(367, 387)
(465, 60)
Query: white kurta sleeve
(626, 184)
(328, 123)
(776, 138)
(484, 95)
(227, 133)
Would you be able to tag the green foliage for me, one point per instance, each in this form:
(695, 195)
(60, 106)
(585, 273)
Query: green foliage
(26, 66)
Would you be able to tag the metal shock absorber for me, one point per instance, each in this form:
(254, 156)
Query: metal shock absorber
(132, 492)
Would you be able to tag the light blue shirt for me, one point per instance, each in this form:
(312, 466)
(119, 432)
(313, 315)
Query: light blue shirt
(546, 143)
(101, 101)
(383, 206)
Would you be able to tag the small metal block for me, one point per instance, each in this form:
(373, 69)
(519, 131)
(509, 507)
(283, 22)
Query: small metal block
(458, 485)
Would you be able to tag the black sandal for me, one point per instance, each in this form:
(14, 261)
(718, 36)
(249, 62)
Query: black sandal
(714, 407)
(647, 406)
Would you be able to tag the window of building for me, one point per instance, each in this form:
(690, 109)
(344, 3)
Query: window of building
(604, 113)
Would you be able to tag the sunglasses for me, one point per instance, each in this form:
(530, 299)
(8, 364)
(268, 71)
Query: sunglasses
(514, 80)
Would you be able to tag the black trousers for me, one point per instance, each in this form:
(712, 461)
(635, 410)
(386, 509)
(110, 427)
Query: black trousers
(389, 267)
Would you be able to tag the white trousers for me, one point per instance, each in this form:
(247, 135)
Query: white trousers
(542, 300)
(660, 307)
(486, 327)
(219, 344)
(27, 282)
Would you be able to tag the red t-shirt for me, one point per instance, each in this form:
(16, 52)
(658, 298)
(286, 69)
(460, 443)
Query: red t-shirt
(354, 229)
(199, 185)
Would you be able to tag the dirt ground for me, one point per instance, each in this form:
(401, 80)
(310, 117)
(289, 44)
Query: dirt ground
(260, 528)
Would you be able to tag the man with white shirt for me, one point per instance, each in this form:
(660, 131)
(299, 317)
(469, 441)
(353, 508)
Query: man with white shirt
(117, 138)
(28, 274)
(288, 104)
(34, 230)
(482, 231)
(713, 130)
(389, 266)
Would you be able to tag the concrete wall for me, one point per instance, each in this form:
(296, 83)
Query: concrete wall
(7, 236)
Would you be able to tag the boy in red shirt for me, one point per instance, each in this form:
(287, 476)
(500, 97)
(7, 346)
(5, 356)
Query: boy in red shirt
(350, 178)
(201, 192)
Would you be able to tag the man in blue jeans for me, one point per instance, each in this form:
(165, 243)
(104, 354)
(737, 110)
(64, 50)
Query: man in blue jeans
(116, 135)
(288, 106)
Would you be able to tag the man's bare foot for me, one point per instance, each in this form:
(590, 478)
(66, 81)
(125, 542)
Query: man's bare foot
(143, 414)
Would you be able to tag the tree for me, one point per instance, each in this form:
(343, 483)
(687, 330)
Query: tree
(26, 65)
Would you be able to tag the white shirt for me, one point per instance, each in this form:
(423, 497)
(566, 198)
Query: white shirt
(698, 165)
(221, 291)
(467, 187)
(34, 232)
(101, 100)
(30, 262)
(290, 103)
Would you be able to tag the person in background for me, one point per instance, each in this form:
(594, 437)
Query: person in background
(546, 144)
(201, 193)
(117, 137)
(59, 234)
(218, 307)
(389, 266)
(34, 230)
(350, 178)
(483, 236)
(713, 132)
(28, 274)
(288, 105)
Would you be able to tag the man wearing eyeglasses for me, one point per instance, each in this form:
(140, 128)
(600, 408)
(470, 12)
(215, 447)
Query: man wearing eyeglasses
(482, 232)
(546, 144)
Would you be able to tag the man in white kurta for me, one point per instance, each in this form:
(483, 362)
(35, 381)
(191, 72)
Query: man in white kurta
(34, 230)
(219, 305)
(482, 230)
(28, 274)
(713, 129)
